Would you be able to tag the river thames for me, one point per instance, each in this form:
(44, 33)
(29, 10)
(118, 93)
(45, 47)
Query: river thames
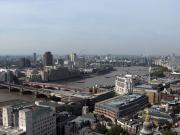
(105, 79)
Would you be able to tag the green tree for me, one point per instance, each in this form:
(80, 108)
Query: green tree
(101, 129)
(169, 132)
(175, 110)
(116, 130)
(159, 71)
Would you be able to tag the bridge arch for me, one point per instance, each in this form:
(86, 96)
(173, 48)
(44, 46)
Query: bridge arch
(27, 92)
(40, 95)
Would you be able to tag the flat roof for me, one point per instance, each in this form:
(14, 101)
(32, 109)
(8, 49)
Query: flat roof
(160, 114)
(38, 111)
(120, 101)
(10, 131)
(148, 86)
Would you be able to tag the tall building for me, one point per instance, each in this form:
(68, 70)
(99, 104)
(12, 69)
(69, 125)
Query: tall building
(25, 62)
(37, 121)
(7, 116)
(73, 57)
(34, 58)
(31, 119)
(48, 59)
(124, 85)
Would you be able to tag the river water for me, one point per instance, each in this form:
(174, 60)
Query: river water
(105, 79)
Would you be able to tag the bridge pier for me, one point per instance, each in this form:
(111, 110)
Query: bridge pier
(21, 91)
(9, 89)
(35, 94)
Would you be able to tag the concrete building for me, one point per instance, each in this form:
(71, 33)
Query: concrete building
(34, 59)
(73, 57)
(6, 75)
(7, 114)
(81, 125)
(25, 63)
(33, 75)
(37, 121)
(158, 116)
(121, 106)
(124, 85)
(48, 59)
(28, 118)
(62, 119)
(11, 131)
(59, 62)
(10, 113)
(152, 91)
(175, 87)
(132, 126)
(53, 73)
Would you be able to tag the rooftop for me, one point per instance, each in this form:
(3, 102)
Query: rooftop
(148, 86)
(14, 102)
(120, 101)
(88, 117)
(160, 114)
(38, 111)
(10, 131)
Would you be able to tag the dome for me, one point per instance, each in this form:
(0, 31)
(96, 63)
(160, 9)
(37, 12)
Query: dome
(147, 129)
(147, 126)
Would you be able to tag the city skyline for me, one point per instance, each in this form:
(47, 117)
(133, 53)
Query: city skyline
(94, 27)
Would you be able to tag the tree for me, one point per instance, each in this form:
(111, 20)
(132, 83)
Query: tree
(159, 72)
(101, 129)
(169, 132)
(116, 130)
(175, 110)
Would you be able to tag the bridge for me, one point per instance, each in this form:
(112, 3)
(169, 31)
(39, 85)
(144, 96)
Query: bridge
(23, 89)
(50, 86)
(45, 89)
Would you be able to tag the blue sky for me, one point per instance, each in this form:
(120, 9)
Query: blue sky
(90, 26)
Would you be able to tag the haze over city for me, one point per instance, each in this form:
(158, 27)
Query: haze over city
(96, 26)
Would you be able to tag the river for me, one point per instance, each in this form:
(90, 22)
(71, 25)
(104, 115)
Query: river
(105, 79)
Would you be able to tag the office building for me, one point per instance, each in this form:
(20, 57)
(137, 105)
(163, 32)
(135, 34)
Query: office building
(52, 73)
(124, 85)
(150, 90)
(29, 118)
(34, 58)
(82, 125)
(48, 59)
(73, 57)
(37, 121)
(25, 62)
(121, 106)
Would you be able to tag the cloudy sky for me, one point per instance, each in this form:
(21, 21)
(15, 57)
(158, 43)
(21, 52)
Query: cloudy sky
(90, 26)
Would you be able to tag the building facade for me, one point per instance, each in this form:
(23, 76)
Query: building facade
(121, 106)
(48, 59)
(124, 85)
(152, 91)
(37, 121)
(31, 119)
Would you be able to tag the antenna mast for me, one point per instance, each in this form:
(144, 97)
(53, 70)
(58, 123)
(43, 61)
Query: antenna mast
(149, 71)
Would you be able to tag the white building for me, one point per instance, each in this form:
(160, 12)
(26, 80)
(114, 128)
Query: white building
(124, 85)
(7, 116)
(37, 121)
(73, 57)
(30, 119)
